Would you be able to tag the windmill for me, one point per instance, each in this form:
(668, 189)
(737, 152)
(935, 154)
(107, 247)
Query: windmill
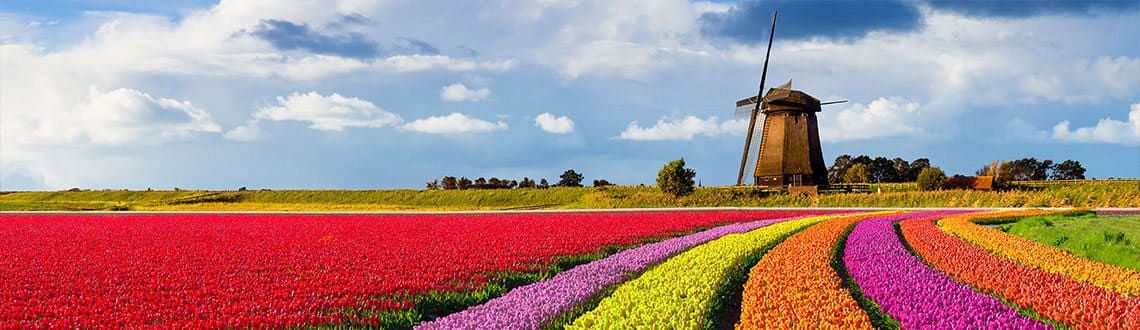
(788, 153)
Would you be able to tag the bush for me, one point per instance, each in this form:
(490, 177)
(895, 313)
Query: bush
(675, 179)
(931, 178)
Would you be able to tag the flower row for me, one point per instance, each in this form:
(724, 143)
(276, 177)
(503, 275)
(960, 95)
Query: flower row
(1055, 297)
(531, 306)
(262, 270)
(917, 296)
(680, 292)
(1049, 259)
(795, 285)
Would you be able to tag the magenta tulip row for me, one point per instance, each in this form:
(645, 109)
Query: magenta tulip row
(917, 296)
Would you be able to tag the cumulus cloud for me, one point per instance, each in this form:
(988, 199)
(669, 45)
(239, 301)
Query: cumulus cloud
(127, 115)
(454, 123)
(118, 117)
(684, 129)
(1085, 81)
(552, 124)
(883, 117)
(324, 113)
(458, 92)
(1107, 130)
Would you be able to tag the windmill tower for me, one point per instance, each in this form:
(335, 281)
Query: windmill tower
(788, 153)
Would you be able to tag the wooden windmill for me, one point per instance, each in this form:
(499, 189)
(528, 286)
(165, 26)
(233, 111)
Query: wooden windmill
(788, 153)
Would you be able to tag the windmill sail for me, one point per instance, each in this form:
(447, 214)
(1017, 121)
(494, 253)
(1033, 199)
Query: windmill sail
(744, 107)
(756, 107)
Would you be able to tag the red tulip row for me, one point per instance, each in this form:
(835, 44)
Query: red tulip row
(259, 270)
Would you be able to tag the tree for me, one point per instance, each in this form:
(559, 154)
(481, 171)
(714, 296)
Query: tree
(526, 183)
(1026, 169)
(1041, 172)
(512, 184)
(431, 185)
(902, 170)
(916, 167)
(1068, 170)
(495, 183)
(543, 184)
(931, 178)
(838, 169)
(675, 179)
(570, 179)
(602, 183)
(463, 184)
(449, 183)
(856, 174)
(881, 170)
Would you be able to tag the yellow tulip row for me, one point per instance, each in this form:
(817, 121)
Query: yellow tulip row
(679, 292)
(1043, 257)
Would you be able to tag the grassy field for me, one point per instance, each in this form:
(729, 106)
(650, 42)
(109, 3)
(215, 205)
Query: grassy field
(1113, 240)
(1061, 194)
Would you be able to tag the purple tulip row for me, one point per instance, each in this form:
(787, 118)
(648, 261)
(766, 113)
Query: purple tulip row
(531, 306)
(918, 296)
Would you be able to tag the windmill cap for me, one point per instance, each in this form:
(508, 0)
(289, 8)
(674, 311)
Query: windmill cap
(790, 100)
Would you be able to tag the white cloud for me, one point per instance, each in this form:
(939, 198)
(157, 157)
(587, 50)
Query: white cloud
(410, 63)
(454, 123)
(126, 115)
(1106, 130)
(551, 124)
(250, 131)
(458, 92)
(1086, 80)
(119, 117)
(884, 117)
(325, 113)
(684, 129)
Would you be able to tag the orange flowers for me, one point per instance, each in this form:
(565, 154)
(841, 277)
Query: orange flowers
(1043, 257)
(1053, 296)
(794, 285)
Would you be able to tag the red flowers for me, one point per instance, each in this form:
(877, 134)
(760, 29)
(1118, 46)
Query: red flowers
(260, 270)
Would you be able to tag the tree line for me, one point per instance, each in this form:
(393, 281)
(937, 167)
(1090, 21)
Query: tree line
(1031, 169)
(862, 168)
(569, 178)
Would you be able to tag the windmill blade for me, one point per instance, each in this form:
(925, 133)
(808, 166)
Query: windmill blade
(743, 111)
(754, 151)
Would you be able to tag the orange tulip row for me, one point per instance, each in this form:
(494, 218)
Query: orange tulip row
(794, 285)
(1055, 297)
(1044, 257)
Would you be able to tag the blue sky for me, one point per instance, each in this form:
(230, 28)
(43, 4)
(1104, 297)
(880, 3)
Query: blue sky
(358, 94)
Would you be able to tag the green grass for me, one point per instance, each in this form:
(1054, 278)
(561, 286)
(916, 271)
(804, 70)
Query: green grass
(1112, 240)
(1121, 193)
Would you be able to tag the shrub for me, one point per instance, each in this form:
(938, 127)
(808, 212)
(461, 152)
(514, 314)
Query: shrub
(931, 178)
(675, 179)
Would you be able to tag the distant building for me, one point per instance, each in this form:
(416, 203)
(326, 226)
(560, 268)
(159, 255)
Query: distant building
(984, 182)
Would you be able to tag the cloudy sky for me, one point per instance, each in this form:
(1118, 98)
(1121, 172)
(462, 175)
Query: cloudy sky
(359, 94)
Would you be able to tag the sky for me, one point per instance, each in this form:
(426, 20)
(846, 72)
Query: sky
(352, 94)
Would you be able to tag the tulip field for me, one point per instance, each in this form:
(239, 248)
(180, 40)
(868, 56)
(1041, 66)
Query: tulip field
(702, 269)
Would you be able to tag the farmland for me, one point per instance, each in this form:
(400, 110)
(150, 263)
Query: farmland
(1087, 194)
(681, 269)
(1112, 240)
